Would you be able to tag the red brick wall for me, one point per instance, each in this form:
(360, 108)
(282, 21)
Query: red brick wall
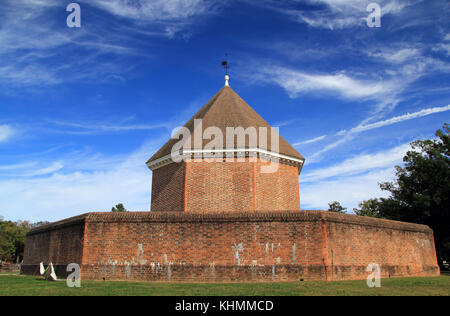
(229, 186)
(229, 247)
(277, 191)
(253, 247)
(168, 188)
(404, 251)
(219, 186)
(60, 244)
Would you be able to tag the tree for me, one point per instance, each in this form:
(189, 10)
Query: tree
(40, 223)
(369, 208)
(336, 207)
(118, 208)
(6, 246)
(12, 239)
(421, 192)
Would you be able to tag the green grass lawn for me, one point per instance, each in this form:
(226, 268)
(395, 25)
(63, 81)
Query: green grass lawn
(27, 285)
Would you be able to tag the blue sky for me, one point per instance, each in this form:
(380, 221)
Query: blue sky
(82, 109)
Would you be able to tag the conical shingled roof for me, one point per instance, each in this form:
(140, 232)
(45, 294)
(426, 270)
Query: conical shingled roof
(227, 109)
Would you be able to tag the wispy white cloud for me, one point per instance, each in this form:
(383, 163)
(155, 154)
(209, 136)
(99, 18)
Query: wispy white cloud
(349, 191)
(396, 119)
(397, 56)
(19, 166)
(35, 59)
(156, 10)
(393, 71)
(168, 17)
(93, 128)
(318, 154)
(359, 164)
(322, 21)
(444, 47)
(408, 62)
(55, 166)
(349, 135)
(310, 141)
(296, 82)
(383, 93)
(28, 75)
(382, 77)
(56, 194)
(388, 6)
(283, 123)
(29, 169)
(6, 132)
(338, 14)
(357, 10)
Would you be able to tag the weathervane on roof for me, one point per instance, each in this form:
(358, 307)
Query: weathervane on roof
(226, 66)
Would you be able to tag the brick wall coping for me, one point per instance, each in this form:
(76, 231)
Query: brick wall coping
(71, 221)
(279, 216)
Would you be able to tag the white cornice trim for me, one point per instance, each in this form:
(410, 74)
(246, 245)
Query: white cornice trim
(204, 153)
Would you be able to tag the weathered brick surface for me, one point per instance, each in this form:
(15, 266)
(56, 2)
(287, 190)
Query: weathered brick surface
(277, 191)
(226, 186)
(219, 186)
(168, 188)
(60, 243)
(246, 246)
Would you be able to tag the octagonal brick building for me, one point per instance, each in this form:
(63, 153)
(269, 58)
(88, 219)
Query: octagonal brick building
(224, 183)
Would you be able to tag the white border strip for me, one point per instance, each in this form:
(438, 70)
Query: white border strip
(168, 158)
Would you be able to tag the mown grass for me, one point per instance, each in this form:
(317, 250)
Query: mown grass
(28, 285)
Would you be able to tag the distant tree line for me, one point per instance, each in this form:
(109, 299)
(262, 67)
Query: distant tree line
(12, 238)
(420, 193)
(13, 235)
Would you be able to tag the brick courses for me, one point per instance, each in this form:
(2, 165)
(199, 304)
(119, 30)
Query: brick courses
(232, 247)
(230, 186)
(168, 187)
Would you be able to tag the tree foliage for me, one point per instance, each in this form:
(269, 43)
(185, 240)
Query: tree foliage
(336, 207)
(369, 208)
(12, 239)
(421, 192)
(118, 208)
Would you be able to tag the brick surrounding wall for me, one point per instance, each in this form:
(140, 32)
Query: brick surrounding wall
(225, 186)
(60, 243)
(252, 246)
(401, 249)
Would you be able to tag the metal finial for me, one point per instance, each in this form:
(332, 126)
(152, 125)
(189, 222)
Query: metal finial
(226, 66)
